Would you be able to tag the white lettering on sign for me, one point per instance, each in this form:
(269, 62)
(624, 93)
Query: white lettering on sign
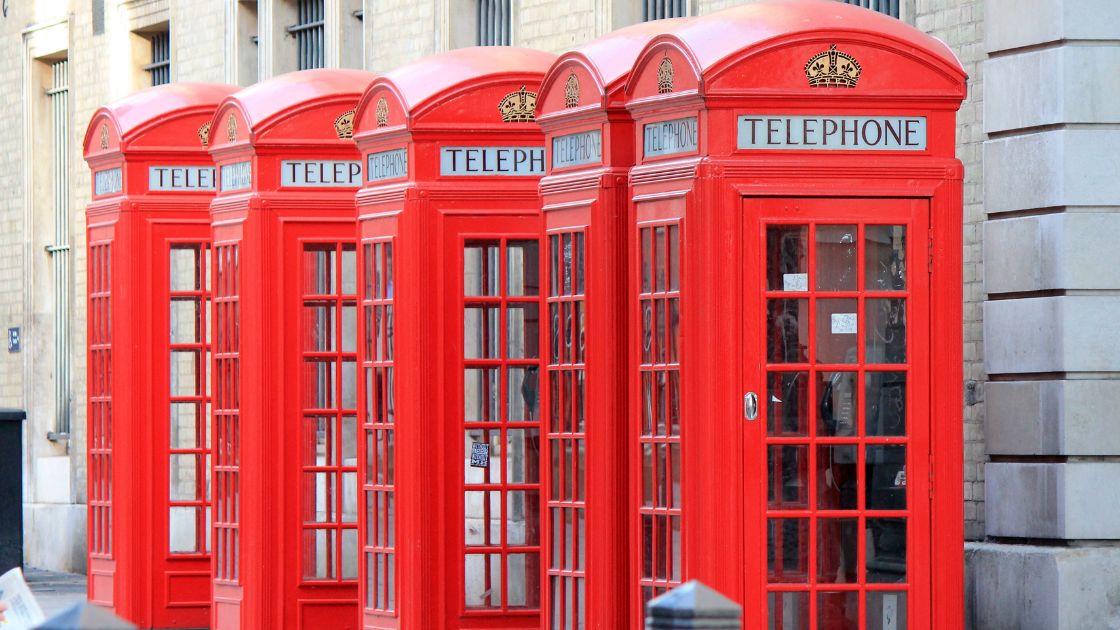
(577, 148)
(237, 176)
(320, 173)
(491, 161)
(669, 137)
(853, 133)
(387, 165)
(181, 178)
(843, 323)
(108, 181)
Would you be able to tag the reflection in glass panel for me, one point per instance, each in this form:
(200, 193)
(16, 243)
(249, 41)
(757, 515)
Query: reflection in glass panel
(522, 517)
(578, 263)
(647, 331)
(787, 408)
(886, 476)
(838, 610)
(186, 327)
(660, 259)
(480, 395)
(184, 425)
(674, 330)
(482, 517)
(886, 403)
(482, 452)
(836, 477)
(886, 550)
(836, 550)
(886, 331)
(480, 268)
(183, 526)
(836, 413)
(524, 394)
(349, 384)
(349, 270)
(886, 610)
(319, 490)
(349, 327)
(523, 580)
(885, 257)
(183, 260)
(787, 549)
(319, 262)
(318, 382)
(836, 331)
(522, 456)
(318, 554)
(483, 580)
(482, 335)
(349, 554)
(836, 258)
(787, 468)
(787, 258)
(788, 611)
(647, 259)
(319, 441)
(184, 373)
(522, 331)
(786, 323)
(186, 475)
(674, 402)
(522, 274)
(674, 257)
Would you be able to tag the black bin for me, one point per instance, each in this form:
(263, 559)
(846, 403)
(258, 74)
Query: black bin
(11, 488)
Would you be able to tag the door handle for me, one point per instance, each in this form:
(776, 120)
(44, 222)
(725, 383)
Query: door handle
(750, 406)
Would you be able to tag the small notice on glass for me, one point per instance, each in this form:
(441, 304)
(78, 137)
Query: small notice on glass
(795, 282)
(480, 455)
(843, 323)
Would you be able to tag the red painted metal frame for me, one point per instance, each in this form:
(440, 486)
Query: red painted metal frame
(260, 549)
(445, 100)
(751, 59)
(130, 235)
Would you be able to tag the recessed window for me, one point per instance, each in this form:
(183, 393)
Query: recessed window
(661, 9)
(309, 34)
(889, 7)
(494, 17)
(160, 67)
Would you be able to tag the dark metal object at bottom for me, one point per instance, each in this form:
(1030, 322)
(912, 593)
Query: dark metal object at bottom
(11, 488)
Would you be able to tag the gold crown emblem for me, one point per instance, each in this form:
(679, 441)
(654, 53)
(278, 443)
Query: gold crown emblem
(518, 106)
(571, 91)
(832, 68)
(204, 134)
(382, 112)
(665, 76)
(231, 128)
(344, 125)
(104, 136)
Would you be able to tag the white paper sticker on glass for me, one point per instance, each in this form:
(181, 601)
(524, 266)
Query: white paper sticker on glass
(843, 323)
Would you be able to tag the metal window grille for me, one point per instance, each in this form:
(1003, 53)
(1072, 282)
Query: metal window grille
(890, 7)
(160, 68)
(494, 22)
(59, 250)
(660, 9)
(309, 34)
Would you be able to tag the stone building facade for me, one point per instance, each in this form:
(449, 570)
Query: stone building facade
(1041, 196)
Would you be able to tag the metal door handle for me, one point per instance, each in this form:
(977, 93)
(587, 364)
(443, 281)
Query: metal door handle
(750, 406)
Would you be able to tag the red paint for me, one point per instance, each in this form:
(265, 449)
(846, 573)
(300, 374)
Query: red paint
(432, 221)
(146, 438)
(285, 533)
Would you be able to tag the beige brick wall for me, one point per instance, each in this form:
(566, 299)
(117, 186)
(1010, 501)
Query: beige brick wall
(401, 31)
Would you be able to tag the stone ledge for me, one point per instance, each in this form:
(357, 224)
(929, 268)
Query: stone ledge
(1026, 587)
(1075, 417)
(1065, 501)
(1055, 251)
(1018, 23)
(1052, 334)
(1065, 167)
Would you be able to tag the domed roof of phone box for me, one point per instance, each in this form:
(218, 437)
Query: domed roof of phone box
(263, 102)
(139, 111)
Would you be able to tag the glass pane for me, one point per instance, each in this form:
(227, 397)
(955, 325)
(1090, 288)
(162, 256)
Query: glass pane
(482, 335)
(318, 327)
(787, 409)
(836, 550)
(349, 327)
(885, 256)
(185, 426)
(480, 395)
(349, 276)
(482, 518)
(886, 550)
(836, 331)
(661, 259)
(523, 276)
(647, 331)
(184, 373)
(349, 441)
(318, 554)
(480, 268)
(185, 323)
(886, 403)
(886, 331)
(886, 477)
(647, 259)
(522, 456)
(836, 477)
(523, 394)
(319, 441)
(183, 535)
(319, 263)
(787, 321)
(482, 580)
(482, 452)
(566, 263)
(184, 268)
(886, 610)
(674, 330)
(838, 611)
(836, 258)
(788, 474)
(349, 554)
(523, 575)
(318, 497)
(674, 257)
(349, 384)
(837, 411)
(787, 549)
(186, 474)
(554, 265)
(523, 517)
(318, 380)
(787, 258)
(788, 611)
(523, 331)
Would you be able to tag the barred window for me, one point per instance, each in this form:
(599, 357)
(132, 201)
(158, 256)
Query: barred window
(160, 67)
(494, 22)
(890, 7)
(59, 248)
(660, 9)
(309, 34)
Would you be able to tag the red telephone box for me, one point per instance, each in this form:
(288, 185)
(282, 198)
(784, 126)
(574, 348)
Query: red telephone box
(285, 361)
(795, 313)
(449, 222)
(589, 133)
(148, 346)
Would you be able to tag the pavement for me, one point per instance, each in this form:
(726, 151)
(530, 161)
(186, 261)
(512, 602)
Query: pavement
(55, 591)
